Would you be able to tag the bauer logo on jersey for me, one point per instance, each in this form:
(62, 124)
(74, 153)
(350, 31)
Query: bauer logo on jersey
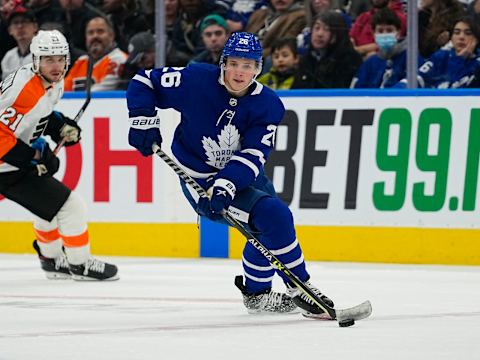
(220, 152)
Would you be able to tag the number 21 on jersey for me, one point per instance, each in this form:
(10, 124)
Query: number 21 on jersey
(10, 118)
(269, 138)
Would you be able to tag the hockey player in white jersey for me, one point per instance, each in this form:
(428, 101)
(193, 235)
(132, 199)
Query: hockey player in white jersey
(27, 165)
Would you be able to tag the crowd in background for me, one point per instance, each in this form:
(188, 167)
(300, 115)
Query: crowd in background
(307, 43)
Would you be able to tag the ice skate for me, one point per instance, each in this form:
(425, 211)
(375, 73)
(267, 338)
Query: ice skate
(55, 269)
(94, 269)
(265, 302)
(309, 308)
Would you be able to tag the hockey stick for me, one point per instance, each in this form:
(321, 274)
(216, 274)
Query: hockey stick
(88, 89)
(358, 312)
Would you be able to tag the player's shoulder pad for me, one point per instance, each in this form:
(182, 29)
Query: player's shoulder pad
(200, 75)
(204, 70)
(14, 83)
(266, 101)
(265, 94)
(204, 67)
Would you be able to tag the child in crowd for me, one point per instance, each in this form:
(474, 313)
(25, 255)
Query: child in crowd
(285, 60)
(389, 65)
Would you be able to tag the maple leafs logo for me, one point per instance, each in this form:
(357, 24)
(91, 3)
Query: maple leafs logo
(220, 152)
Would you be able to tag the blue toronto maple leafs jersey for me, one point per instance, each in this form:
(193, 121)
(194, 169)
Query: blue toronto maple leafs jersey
(445, 69)
(377, 72)
(218, 135)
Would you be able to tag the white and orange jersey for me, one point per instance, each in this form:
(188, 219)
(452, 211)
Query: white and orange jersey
(106, 72)
(24, 106)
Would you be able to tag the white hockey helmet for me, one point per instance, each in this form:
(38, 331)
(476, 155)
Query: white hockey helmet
(48, 43)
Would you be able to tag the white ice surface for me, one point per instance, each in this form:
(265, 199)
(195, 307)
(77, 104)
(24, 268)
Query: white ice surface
(190, 309)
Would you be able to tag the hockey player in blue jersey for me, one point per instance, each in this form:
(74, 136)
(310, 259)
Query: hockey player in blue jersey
(227, 130)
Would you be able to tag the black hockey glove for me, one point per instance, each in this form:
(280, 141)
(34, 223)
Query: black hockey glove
(48, 163)
(62, 127)
(70, 131)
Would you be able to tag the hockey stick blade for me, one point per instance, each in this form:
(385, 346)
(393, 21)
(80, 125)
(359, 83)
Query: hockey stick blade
(358, 312)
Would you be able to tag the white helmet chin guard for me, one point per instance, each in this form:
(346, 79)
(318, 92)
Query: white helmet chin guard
(49, 43)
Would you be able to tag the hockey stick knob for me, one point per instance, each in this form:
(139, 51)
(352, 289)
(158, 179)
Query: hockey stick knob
(155, 148)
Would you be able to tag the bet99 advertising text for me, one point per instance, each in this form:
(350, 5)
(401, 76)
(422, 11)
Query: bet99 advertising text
(342, 161)
(380, 161)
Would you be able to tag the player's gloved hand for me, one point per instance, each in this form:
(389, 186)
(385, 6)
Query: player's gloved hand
(48, 163)
(223, 192)
(203, 208)
(221, 196)
(144, 131)
(143, 140)
(70, 132)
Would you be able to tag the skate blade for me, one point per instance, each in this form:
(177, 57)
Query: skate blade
(322, 316)
(87, 278)
(57, 276)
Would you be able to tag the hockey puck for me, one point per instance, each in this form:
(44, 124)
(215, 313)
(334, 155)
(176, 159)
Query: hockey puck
(346, 323)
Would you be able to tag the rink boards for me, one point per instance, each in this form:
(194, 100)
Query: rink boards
(376, 176)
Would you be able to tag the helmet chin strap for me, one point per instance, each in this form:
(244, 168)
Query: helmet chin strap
(229, 89)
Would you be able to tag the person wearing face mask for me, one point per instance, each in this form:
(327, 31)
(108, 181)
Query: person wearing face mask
(361, 32)
(388, 66)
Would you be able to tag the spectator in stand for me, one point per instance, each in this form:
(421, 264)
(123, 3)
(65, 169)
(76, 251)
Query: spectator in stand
(435, 20)
(7, 42)
(331, 61)
(362, 33)
(357, 7)
(147, 7)
(173, 56)
(22, 25)
(141, 55)
(186, 37)
(285, 61)
(171, 14)
(312, 8)
(77, 14)
(389, 65)
(46, 11)
(281, 19)
(127, 20)
(75, 53)
(214, 35)
(108, 59)
(454, 67)
(473, 10)
(239, 12)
